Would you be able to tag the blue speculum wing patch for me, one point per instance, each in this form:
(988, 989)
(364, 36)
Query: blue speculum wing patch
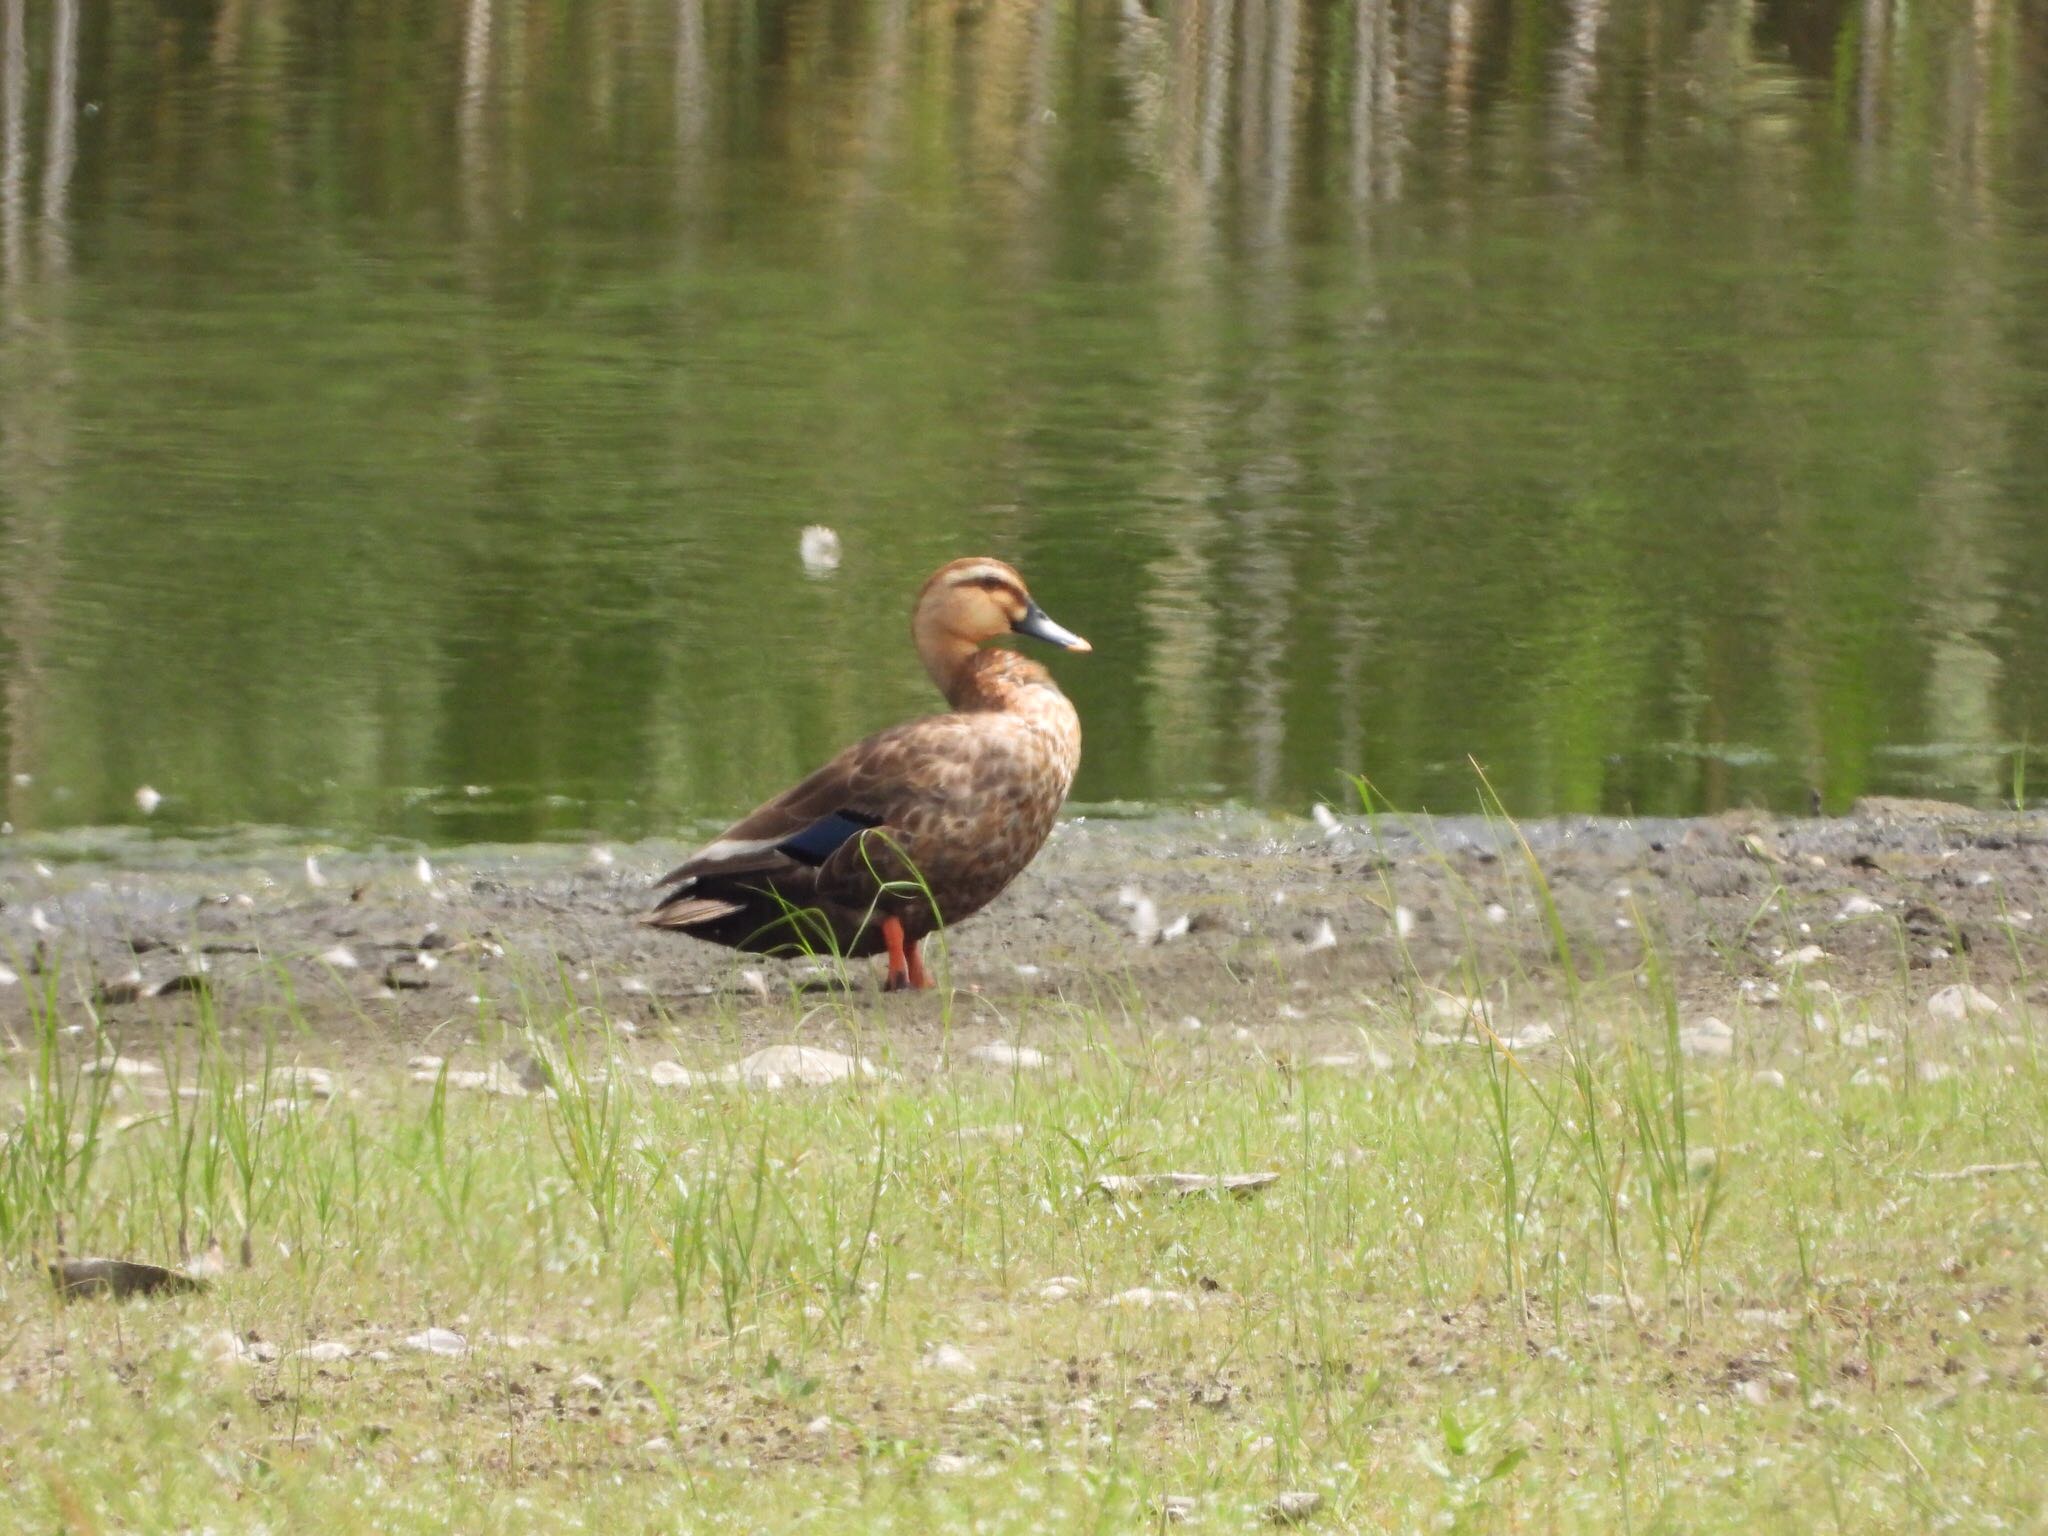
(823, 838)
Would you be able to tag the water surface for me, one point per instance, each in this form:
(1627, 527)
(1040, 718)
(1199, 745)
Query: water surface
(408, 410)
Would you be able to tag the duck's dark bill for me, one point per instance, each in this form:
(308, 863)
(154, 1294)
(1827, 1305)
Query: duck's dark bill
(1039, 626)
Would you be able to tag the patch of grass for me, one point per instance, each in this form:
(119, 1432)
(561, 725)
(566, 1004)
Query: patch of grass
(1591, 1285)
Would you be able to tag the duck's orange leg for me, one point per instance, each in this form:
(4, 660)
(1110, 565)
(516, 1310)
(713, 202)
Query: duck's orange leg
(898, 976)
(920, 978)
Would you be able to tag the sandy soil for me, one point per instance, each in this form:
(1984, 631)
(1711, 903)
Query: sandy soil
(1225, 917)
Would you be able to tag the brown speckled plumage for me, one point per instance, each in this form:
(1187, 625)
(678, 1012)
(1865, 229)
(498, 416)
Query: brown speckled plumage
(959, 803)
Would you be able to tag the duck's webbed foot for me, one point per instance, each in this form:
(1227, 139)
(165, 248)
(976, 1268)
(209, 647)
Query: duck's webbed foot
(897, 977)
(906, 966)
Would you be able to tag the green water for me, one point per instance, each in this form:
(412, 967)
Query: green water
(408, 410)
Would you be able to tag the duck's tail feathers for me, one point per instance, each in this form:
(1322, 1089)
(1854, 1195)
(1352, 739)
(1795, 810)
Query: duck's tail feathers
(684, 911)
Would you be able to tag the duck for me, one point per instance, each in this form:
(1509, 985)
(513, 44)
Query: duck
(919, 826)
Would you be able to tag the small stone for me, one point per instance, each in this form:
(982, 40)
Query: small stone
(1176, 1508)
(1709, 1038)
(1858, 906)
(405, 975)
(303, 1082)
(1800, 958)
(1372, 1058)
(423, 871)
(1496, 913)
(1006, 1057)
(1059, 1288)
(1145, 1297)
(947, 1360)
(325, 1351)
(1768, 1077)
(221, 1347)
(1761, 1317)
(1404, 922)
(1119, 1184)
(946, 1464)
(673, 1074)
(341, 958)
(1293, 1507)
(438, 1341)
(807, 1066)
(126, 1067)
(1754, 1392)
(1961, 1002)
(147, 800)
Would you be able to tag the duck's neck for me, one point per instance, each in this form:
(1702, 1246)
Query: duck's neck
(983, 680)
(948, 661)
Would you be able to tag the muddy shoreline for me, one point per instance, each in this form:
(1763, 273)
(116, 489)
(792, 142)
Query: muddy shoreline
(1227, 918)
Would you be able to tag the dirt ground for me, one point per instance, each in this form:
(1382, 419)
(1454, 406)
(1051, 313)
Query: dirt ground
(1225, 917)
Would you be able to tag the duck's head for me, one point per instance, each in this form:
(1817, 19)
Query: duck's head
(975, 600)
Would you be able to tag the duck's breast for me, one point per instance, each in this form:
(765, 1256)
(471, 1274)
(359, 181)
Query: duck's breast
(973, 812)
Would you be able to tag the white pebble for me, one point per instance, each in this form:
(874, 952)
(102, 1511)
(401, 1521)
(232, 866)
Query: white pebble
(947, 1360)
(1144, 1296)
(1007, 1057)
(147, 800)
(1957, 1003)
(438, 1341)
